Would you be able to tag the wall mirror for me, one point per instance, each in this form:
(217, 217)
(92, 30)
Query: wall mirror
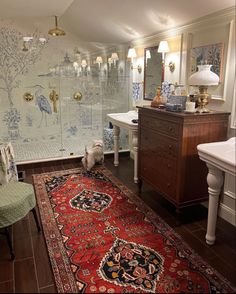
(153, 75)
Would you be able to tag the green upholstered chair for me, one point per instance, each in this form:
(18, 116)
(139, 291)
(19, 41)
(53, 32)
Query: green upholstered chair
(16, 200)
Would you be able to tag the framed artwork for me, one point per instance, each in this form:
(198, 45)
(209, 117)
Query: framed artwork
(210, 54)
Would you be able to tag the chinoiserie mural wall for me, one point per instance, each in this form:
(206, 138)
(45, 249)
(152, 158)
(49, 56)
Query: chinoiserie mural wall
(46, 111)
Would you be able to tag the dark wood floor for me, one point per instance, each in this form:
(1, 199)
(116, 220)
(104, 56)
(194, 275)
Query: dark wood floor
(31, 271)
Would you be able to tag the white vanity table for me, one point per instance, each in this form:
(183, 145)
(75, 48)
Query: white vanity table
(219, 158)
(124, 120)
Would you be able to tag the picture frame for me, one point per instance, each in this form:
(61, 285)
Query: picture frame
(210, 54)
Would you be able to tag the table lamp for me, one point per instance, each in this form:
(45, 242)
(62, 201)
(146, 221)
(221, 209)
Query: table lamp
(203, 78)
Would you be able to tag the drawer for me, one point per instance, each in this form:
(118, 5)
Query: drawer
(164, 184)
(165, 166)
(158, 144)
(166, 127)
(159, 172)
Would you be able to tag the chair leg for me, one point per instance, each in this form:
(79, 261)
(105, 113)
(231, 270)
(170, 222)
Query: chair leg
(9, 243)
(36, 219)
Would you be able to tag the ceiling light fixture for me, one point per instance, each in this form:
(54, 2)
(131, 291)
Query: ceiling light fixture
(56, 31)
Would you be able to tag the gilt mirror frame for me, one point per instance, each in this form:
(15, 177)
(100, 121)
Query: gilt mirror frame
(153, 72)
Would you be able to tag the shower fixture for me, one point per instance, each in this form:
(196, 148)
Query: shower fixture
(56, 31)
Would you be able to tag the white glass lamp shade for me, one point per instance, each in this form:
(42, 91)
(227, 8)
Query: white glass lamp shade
(163, 47)
(204, 77)
(131, 53)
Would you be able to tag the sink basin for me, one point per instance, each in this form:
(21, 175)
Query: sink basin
(220, 153)
(122, 119)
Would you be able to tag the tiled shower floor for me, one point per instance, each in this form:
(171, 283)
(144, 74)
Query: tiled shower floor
(43, 150)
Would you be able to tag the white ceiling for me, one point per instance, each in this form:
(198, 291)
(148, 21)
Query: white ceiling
(32, 8)
(112, 21)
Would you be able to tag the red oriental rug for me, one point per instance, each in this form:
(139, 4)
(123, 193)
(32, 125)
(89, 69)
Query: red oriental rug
(103, 238)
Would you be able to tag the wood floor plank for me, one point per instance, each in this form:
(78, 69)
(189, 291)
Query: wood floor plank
(40, 253)
(49, 289)
(6, 265)
(6, 287)
(22, 245)
(43, 265)
(224, 268)
(25, 276)
(6, 269)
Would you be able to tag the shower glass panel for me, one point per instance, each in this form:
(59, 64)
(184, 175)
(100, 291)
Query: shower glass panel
(59, 124)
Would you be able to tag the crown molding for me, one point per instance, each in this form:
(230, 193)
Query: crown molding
(213, 19)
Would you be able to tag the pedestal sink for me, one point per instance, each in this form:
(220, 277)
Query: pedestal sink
(219, 158)
(124, 120)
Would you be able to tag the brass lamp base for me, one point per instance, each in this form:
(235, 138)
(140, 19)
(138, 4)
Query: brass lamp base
(203, 100)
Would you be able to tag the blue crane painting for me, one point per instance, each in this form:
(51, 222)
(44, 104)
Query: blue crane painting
(43, 104)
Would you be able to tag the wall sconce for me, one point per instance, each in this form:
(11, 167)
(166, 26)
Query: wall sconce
(25, 48)
(83, 63)
(114, 58)
(164, 48)
(109, 60)
(27, 42)
(132, 54)
(85, 67)
(99, 61)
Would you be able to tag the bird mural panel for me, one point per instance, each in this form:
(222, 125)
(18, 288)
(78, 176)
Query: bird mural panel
(43, 105)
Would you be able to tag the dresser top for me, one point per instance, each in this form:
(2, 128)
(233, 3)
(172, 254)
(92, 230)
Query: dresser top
(181, 114)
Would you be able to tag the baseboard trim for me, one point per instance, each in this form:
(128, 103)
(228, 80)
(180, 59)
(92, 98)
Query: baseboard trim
(227, 214)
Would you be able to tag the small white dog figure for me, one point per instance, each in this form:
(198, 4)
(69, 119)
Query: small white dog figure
(93, 155)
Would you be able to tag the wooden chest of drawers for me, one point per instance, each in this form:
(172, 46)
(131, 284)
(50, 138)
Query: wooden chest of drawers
(167, 154)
